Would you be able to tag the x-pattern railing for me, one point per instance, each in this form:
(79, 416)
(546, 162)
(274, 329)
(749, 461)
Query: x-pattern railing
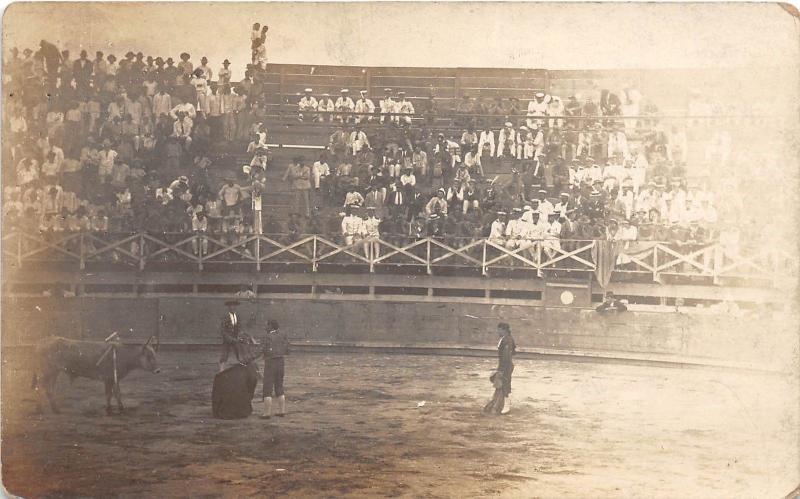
(643, 257)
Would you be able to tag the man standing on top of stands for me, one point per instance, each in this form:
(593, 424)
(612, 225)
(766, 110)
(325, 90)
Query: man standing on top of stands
(230, 329)
(224, 74)
(298, 174)
(364, 105)
(308, 106)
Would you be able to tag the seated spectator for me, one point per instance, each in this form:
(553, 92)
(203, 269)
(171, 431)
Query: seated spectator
(437, 204)
(405, 108)
(364, 105)
(307, 107)
(345, 104)
(326, 107)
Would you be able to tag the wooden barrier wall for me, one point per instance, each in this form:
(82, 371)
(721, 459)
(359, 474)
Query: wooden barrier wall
(757, 340)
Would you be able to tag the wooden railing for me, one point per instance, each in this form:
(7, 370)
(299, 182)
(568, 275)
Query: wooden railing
(653, 261)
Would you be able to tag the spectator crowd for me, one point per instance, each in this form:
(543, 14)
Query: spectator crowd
(107, 146)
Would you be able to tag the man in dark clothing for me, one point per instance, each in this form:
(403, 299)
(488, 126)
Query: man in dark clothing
(506, 348)
(276, 347)
(611, 304)
(52, 58)
(230, 330)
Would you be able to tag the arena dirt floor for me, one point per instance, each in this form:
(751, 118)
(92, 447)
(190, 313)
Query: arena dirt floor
(357, 427)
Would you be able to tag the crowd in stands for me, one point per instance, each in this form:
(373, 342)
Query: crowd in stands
(111, 146)
(573, 174)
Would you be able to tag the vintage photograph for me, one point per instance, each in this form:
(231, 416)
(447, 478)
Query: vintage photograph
(400, 249)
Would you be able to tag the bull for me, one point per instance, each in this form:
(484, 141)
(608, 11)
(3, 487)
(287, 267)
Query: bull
(106, 362)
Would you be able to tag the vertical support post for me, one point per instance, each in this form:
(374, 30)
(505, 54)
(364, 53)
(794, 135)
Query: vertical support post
(428, 251)
(258, 251)
(371, 257)
(141, 251)
(655, 263)
(81, 252)
(483, 258)
(19, 250)
(314, 255)
(196, 240)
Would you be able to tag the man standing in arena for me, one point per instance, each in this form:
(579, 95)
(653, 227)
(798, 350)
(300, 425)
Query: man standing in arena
(506, 348)
(230, 330)
(276, 347)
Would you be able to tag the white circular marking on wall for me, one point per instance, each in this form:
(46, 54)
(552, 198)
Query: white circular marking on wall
(567, 297)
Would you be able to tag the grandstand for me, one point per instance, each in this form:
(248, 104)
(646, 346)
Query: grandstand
(147, 232)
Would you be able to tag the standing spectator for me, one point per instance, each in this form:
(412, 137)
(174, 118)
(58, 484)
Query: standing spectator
(205, 68)
(224, 73)
(230, 105)
(107, 157)
(82, 72)
(231, 195)
(185, 67)
(213, 111)
(298, 174)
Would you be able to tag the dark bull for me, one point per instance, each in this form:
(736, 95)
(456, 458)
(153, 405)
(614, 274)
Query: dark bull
(106, 362)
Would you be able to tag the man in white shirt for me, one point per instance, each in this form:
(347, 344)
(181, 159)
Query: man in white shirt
(364, 105)
(162, 102)
(497, 230)
(387, 105)
(345, 104)
(307, 106)
(515, 230)
(230, 194)
(537, 107)
(205, 68)
(352, 227)
(199, 227)
(326, 104)
(185, 107)
(486, 144)
(507, 141)
(224, 74)
(358, 140)
(404, 107)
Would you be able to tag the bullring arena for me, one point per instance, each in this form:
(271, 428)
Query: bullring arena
(612, 246)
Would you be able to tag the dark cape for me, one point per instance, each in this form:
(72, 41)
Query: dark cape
(233, 391)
